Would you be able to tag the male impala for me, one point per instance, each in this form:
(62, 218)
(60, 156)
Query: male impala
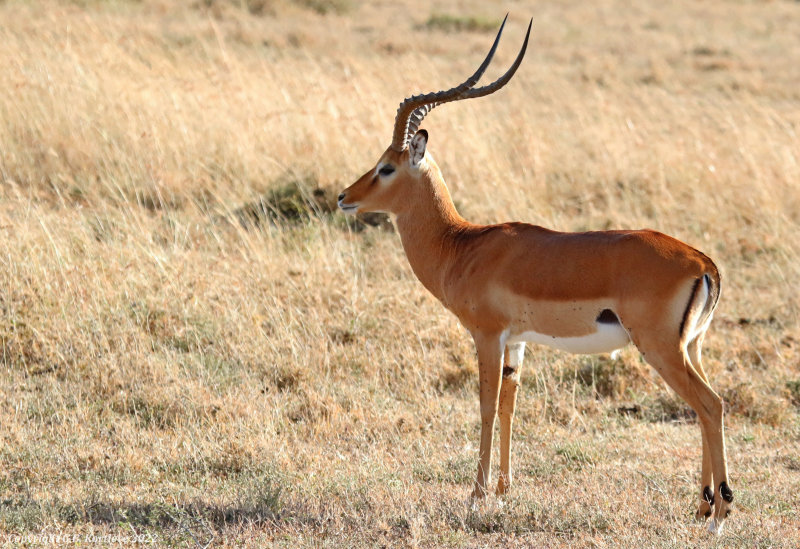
(512, 283)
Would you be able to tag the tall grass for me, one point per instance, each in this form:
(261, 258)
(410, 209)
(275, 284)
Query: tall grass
(169, 369)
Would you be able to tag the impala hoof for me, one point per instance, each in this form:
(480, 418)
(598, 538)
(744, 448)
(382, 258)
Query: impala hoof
(703, 511)
(478, 495)
(715, 526)
(503, 487)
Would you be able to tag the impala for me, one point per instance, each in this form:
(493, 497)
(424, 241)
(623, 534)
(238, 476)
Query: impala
(512, 283)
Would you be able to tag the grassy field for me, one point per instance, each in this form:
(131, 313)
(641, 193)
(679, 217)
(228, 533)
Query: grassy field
(194, 349)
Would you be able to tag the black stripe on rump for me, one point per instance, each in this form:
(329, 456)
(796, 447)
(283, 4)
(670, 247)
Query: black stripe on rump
(693, 296)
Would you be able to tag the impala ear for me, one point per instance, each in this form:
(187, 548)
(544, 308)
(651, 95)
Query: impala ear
(416, 149)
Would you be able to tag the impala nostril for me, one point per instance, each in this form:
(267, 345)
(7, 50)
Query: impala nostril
(341, 197)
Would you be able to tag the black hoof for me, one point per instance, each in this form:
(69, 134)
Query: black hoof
(725, 492)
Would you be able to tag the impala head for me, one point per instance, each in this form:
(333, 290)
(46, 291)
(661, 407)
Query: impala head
(388, 185)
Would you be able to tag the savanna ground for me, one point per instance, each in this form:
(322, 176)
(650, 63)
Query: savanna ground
(195, 349)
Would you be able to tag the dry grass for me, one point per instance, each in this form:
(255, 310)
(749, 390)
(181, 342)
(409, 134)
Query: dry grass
(171, 370)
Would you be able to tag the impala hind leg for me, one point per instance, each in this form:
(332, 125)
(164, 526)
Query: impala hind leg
(490, 356)
(704, 509)
(678, 372)
(512, 364)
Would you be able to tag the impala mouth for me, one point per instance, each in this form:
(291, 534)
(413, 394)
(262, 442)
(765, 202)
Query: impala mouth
(348, 208)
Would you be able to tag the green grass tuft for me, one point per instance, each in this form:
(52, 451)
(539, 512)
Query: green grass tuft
(461, 23)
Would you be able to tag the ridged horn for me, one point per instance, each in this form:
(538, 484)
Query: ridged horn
(413, 110)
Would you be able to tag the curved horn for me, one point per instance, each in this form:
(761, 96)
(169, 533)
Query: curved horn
(413, 110)
(411, 104)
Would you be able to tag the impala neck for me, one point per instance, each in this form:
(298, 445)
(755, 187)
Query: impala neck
(425, 221)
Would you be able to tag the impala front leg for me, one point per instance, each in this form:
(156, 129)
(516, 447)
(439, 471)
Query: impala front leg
(490, 356)
(512, 363)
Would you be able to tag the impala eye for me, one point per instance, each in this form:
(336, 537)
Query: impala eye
(386, 169)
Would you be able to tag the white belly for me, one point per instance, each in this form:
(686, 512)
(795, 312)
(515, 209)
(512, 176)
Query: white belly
(608, 337)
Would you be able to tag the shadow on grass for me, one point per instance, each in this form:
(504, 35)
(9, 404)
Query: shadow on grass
(29, 514)
(193, 524)
(164, 516)
(257, 503)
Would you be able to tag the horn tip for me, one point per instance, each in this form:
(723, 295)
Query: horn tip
(503, 24)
